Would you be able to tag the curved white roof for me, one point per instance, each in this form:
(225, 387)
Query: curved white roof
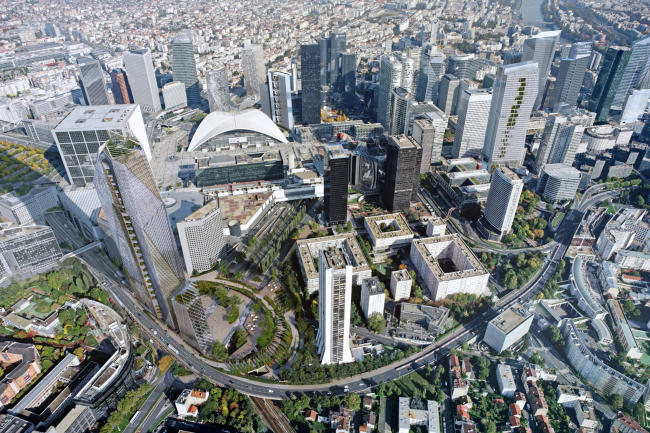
(220, 122)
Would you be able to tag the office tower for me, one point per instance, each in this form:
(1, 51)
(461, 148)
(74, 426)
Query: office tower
(51, 30)
(448, 93)
(472, 123)
(431, 67)
(218, 89)
(541, 49)
(503, 199)
(508, 327)
(139, 224)
(568, 83)
(513, 97)
(30, 248)
(276, 98)
(488, 81)
(635, 103)
(580, 49)
(594, 60)
(202, 239)
(559, 142)
(636, 68)
(184, 67)
(400, 110)
(252, 63)
(415, 53)
(79, 136)
(463, 85)
(174, 95)
(424, 134)
(334, 305)
(463, 66)
(294, 75)
(311, 97)
(558, 182)
(408, 69)
(390, 77)
(142, 79)
(337, 172)
(400, 168)
(440, 122)
(92, 81)
(191, 318)
(121, 88)
(349, 73)
(609, 78)
(333, 47)
(324, 45)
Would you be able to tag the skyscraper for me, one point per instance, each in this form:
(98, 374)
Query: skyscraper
(400, 110)
(121, 89)
(324, 45)
(400, 167)
(310, 70)
(424, 134)
(408, 69)
(218, 88)
(142, 79)
(503, 199)
(190, 316)
(559, 142)
(440, 121)
(472, 123)
(349, 73)
(637, 66)
(541, 49)
(202, 239)
(390, 77)
(568, 83)
(252, 63)
(463, 66)
(609, 78)
(337, 47)
(635, 103)
(448, 93)
(136, 215)
(431, 66)
(92, 81)
(334, 305)
(337, 171)
(581, 49)
(276, 98)
(513, 96)
(184, 67)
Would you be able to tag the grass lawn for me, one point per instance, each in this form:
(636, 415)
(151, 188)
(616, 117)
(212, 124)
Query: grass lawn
(557, 220)
(415, 380)
(607, 204)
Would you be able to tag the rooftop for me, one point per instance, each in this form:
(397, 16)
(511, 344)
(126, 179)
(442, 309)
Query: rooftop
(372, 285)
(402, 141)
(401, 275)
(396, 220)
(97, 117)
(426, 245)
(205, 210)
(511, 318)
(561, 171)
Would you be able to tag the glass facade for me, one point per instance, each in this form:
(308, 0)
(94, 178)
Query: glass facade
(190, 315)
(184, 67)
(240, 173)
(79, 152)
(609, 78)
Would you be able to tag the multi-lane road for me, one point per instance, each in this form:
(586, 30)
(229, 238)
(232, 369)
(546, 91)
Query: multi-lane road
(278, 390)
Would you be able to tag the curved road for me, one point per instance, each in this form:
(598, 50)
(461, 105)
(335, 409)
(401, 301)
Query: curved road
(439, 349)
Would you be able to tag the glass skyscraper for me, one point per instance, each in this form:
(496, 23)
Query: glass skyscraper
(92, 82)
(609, 78)
(184, 67)
(142, 80)
(310, 59)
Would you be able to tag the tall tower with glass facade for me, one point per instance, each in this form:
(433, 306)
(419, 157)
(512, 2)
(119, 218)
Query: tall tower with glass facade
(609, 79)
(218, 90)
(142, 80)
(568, 83)
(92, 82)
(636, 68)
(503, 199)
(190, 317)
(252, 63)
(310, 63)
(184, 67)
(541, 49)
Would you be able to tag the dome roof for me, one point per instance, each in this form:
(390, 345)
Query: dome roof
(220, 122)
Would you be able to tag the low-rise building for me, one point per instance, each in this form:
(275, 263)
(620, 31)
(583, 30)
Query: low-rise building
(27, 250)
(623, 330)
(508, 327)
(423, 322)
(506, 381)
(587, 419)
(536, 400)
(12, 424)
(624, 424)
(459, 386)
(607, 274)
(567, 394)
(28, 208)
(436, 227)
(400, 284)
(187, 403)
(79, 420)
(22, 375)
(372, 297)
(636, 260)
(388, 231)
(581, 289)
(428, 417)
(340, 421)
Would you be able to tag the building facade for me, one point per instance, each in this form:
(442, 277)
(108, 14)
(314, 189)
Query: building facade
(92, 82)
(508, 327)
(142, 79)
(202, 238)
(503, 199)
(184, 67)
(252, 63)
(472, 123)
(372, 297)
(310, 59)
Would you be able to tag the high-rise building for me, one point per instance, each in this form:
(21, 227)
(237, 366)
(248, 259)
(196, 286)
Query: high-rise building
(488, 81)
(349, 73)
(424, 134)
(635, 103)
(567, 86)
(332, 48)
(408, 69)
(310, 62)
(431, 67)
(513, 97)
(372, 297)
(174, 95)
(184, 67)
(400, 167)
(217, 85)
(337, 169)
(581, 49)
(276, 98)
(503, 199)
(140, 226)
(121, 89)
(390, 77)
(594, 60)
(440, 122)
(636, 68)
(508, 328)
(609, 78)
(559, 142)
(92, 81)
(541, 50)
(190, 316)
(202, 239)
(324, 45)
(558, 182)
(334, 305)
(80, 135)
(463, 66)
(142, 78)
(415, 54)
(400, 109)
(472, 123)
(448, 93)
(252, 63)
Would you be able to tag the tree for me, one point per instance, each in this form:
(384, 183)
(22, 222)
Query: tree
(79, 353)
(238, 276)
(352, 401)
(355, 317)
(556, 336)
(165, 362)
(223, 268)
(219, 351)
(239, 338)
(640, 201)
(376, 323)
(615, 401)
(54, 280)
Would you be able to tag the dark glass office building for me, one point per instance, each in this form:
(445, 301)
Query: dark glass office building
(92, 82)
(401, 167)
(337, 169)
(311, 68)
(609, 78)
(184, 67)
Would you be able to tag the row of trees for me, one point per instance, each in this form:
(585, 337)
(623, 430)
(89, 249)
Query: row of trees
(551, 286)
(269, 256)
(125, 408)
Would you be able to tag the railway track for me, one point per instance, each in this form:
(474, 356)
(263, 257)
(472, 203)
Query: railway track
(272, 416)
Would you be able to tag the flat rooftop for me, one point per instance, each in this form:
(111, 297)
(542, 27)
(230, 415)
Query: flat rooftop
(310, 248)
(97, 117)
(396, 220)
(372, 285)
(209, 207)
(401, 275)
(562, 171)
(402, 141)
(336, 151)
(511, 318)
(425, 247)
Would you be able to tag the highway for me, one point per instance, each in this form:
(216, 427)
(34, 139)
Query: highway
(363, 382)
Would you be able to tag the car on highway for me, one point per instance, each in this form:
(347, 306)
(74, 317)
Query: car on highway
(270, 390)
